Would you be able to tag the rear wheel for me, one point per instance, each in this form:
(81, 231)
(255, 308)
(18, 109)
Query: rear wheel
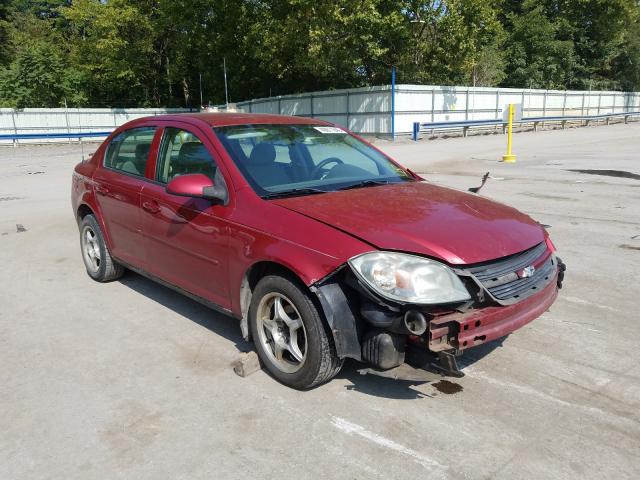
(291, 338)
(97, 259)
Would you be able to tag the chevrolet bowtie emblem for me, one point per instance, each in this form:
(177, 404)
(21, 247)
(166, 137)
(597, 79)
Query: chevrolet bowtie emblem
(527, 271)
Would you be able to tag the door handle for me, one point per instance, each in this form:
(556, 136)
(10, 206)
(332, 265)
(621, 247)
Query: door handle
(151, 207)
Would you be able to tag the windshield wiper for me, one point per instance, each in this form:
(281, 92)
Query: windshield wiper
(292, 193)
(365, 183)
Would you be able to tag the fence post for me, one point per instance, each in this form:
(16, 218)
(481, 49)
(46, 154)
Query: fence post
(599, 101)
(15, 129)
(80, 122)
(279, 105)
(393, 103)
(582, 108)
(564, 102)
(497, 103)
(466, 105)
(66, 118)
(311, 107)
(416, 130)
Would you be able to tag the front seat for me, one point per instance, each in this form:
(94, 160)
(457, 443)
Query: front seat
(193, 157)
(264, 169)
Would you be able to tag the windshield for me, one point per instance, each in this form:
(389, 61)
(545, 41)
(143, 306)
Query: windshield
(279, 160)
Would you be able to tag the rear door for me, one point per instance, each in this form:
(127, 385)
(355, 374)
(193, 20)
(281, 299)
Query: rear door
(118, 185)
(186, 238)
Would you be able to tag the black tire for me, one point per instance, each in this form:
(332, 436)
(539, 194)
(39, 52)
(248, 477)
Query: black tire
(105, 269)
(321, 363)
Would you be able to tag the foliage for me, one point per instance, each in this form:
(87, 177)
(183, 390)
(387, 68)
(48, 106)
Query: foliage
(161, 52)
(537, 57)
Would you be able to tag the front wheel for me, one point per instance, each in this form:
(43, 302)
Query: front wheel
(291, 338)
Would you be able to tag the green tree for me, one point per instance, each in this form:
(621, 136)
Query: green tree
(626, 63)
(37, 72)
(452, 42)
(112, 44)
(536, 57)
(39, 77)
(159, 52)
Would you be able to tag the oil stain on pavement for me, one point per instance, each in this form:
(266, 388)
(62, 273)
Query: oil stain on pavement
(447, 387)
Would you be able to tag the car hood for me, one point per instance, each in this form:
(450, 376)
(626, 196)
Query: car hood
(417, 217)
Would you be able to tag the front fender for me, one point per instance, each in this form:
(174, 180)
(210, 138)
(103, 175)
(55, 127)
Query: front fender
(342, 319)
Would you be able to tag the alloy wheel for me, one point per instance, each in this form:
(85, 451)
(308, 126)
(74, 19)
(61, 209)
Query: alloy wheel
(281, 332)
(90, 249)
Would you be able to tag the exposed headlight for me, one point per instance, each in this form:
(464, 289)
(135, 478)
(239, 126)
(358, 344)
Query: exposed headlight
(407, 278)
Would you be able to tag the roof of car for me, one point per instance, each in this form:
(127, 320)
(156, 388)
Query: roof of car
(218, 119)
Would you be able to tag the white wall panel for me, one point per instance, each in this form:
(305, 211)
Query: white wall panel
(363, 110)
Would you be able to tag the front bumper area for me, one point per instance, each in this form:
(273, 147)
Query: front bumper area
(368, 328)
(459, 331)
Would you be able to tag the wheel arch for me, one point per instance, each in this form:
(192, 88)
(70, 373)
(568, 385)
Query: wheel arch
(250, 279)
(330, 298)
(82, 211)
(87, 206)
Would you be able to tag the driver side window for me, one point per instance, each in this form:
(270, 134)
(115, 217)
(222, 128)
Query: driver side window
(181, 153)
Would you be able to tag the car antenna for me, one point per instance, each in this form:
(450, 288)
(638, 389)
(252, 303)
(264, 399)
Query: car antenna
(484, 180)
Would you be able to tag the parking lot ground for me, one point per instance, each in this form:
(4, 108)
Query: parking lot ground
(131, 380)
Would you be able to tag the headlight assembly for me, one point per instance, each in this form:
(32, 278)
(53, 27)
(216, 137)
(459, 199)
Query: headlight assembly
(407, 278)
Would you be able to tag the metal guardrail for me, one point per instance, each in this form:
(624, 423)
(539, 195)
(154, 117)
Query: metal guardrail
(465, 125)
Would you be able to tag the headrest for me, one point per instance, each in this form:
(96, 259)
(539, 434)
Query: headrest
(193, 151)
(262, 154)
(142, 151)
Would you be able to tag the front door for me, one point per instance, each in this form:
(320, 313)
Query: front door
(185, 238)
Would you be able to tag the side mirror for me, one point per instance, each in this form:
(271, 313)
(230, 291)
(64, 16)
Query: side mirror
(196, 185)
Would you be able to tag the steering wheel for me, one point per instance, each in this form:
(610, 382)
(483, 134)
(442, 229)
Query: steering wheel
(316, 172)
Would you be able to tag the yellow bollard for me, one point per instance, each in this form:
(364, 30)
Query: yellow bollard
(509, 157)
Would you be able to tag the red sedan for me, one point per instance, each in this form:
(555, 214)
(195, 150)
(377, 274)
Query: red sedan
(322, 246)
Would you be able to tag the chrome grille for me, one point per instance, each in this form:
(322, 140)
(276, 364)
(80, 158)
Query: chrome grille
(500, 277)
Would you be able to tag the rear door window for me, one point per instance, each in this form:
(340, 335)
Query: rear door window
(128, 151)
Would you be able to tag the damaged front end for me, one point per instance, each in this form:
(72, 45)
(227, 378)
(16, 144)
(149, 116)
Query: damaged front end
(503, 295)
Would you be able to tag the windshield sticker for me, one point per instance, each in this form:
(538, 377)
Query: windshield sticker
(329, 130)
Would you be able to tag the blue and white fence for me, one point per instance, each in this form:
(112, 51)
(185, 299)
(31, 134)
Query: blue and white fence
(36, 125)
(369, 110)
(365, 110)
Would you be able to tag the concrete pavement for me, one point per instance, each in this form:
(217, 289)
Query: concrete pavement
(131, 380)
